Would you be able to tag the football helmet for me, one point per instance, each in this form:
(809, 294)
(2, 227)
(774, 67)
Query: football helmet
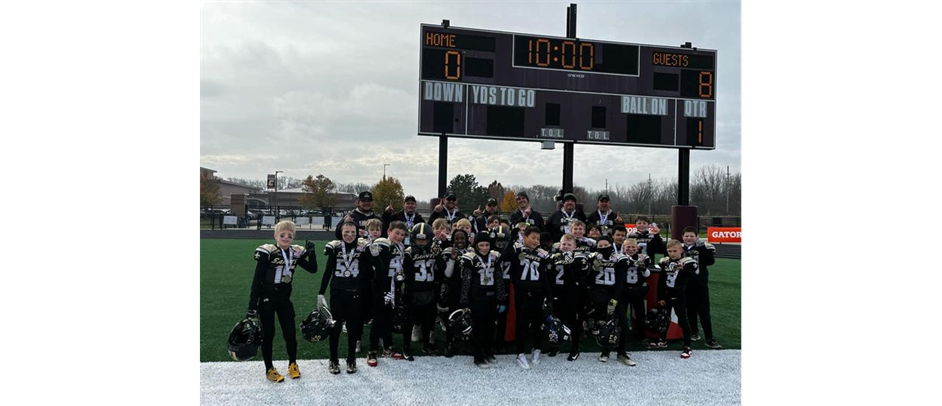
(500, 237)
(554, 331)
(657, 320)
(421, 231)
(460, 321)
(245, 339)
(316, 326)
(606, 333)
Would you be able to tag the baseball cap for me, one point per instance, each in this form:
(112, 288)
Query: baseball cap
(410, 198)
(569, 196)
(523, 195)
(450, 196)
(492, 202)
(604, 196)
(367, 196)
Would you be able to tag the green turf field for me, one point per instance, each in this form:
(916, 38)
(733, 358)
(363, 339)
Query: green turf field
(227, 267)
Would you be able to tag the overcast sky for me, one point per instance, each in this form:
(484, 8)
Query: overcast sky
(331, 88)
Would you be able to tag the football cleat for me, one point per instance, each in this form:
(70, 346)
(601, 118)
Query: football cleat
(603, 357)
(662, 344)
(371, 359)
(351, 367)
(536, 357)
(713, 344)
(626, 359)
(480, 362)
(686, 353)
(333, 367)
(397, 355)
(293, 371)
(490, 359)
(274, 376)
(407, 355)
(573, 356)
(522, 361)
(695, 337)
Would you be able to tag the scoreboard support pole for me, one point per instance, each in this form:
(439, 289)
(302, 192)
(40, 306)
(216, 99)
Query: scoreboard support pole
(683, 177)
(442, 164)
(569, 147)
(568, 153)
(683, 214)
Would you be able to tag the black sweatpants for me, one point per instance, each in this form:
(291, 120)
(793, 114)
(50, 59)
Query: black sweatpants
(277, 302)
(382, 324)
(424, 316)
(529, 318)
(484, 315)
(501, 331)
(698, 304)
(633, 298)
(677, 300)
(345, 307)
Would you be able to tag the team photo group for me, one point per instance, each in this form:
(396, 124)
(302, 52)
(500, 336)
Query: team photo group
(524, 284)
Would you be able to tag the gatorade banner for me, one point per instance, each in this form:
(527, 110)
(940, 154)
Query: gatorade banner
(724, 234)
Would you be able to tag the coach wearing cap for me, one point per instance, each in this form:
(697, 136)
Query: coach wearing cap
(525, 213)
(604, 216)
(447, 209)
(360, 215)
(479, 218)
(558, 223)
(407, 215)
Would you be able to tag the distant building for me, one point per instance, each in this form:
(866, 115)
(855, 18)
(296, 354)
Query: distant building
(258, 198)
(289, 198)
(227, 188)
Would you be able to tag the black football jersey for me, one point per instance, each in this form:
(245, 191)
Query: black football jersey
(649, 244)
(702, 252)
(638, 271)
(530, 269)
(275, 267)
(607, 273)
(344, 265)
(605, 221)
(481, 277)
(675, 274)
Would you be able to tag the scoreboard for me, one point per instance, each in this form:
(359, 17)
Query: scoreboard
(490, 84)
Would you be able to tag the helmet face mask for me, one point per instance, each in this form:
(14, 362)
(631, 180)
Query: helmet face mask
(460, 321)
(500, 237)
(317, 325)
(421, 235)
(245, 339)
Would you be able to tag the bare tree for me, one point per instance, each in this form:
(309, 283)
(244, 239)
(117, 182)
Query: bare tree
(249, 182)
(708, 190)
(495, 191)
(665, 196)
(734, 190)
(354, 188)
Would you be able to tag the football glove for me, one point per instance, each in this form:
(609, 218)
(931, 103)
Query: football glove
(611, 306)
(321, 302)
(501, 308)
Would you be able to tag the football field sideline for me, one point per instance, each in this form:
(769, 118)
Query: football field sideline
(661, 378)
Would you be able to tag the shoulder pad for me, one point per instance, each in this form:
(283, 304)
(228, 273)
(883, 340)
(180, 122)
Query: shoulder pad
(686, 260)
(709, 246)
(556, 245)
(382, 241)
(362, 242)
(408, 251)
(664, 260)
(447, 250)
(468, 255)
(541, 253)
(642, 258)
(297, 249)
(264, 251)
(332, 246)
(590, 241)
(621, 257)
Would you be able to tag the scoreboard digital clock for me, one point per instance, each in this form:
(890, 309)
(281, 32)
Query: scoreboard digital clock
(491, 84)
